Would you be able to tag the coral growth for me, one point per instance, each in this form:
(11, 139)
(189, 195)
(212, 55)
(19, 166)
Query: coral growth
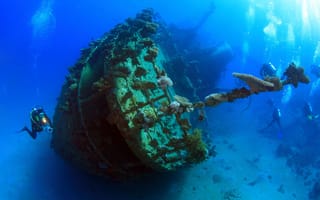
(185, 124)
(164, 82)
(147, 43)
(215, 99)
(256, 85)
(184, 102)
(197, 149)
(295, 75)
(151, 54)
(140, 71)
(277, 85)
(146, 117)
(143, 85)
(101, 85)
(231, 194)
(174, 107)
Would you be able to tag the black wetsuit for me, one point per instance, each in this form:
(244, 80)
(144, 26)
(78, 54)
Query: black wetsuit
(39, 120)
(276, 116)
(268, 70)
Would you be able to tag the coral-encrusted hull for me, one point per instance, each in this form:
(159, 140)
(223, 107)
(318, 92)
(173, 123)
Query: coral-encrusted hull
(112, 117)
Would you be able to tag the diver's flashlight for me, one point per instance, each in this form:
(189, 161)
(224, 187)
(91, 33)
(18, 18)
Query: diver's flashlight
(44, 120)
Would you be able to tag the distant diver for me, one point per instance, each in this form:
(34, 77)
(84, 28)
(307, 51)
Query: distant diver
(39, 122)
(276, 119)
(308, 112)
(268, 70)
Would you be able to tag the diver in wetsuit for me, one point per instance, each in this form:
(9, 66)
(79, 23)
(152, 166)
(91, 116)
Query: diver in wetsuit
(39, 122)
(276, 119)
(268, 70)
(276, 116)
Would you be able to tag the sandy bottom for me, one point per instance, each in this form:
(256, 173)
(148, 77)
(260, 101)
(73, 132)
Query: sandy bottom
(244, 168)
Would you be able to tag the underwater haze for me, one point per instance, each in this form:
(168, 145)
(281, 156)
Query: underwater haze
(267, 145)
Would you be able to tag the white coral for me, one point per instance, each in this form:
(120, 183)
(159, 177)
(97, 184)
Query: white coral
(164, 82)
(175, 107)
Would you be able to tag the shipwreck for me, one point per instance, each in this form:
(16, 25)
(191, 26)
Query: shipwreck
(125, 107)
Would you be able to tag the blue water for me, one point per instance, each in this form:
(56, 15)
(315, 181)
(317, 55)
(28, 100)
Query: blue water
(40, 39)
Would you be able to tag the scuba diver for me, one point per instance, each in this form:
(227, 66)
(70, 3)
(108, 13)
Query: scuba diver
(39, 122)
(308, 112)
(268, 70)
(276, 119)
